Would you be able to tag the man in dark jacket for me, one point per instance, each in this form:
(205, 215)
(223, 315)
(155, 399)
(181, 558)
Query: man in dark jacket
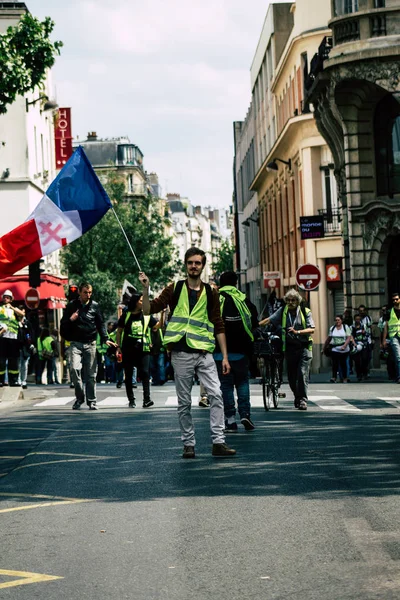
(81, 322)
(240, 318)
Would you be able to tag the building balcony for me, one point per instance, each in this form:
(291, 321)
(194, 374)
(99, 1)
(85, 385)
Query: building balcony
(365, 25)
(138, 189)
(332, 222)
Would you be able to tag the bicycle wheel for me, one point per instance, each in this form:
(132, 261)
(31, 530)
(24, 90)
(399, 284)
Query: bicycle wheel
(265, 383)
(274, 379)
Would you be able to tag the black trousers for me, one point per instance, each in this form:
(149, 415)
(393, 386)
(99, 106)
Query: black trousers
(9, 357)
(140, 360)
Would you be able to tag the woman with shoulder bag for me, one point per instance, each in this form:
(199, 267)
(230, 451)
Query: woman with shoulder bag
(134, 343)
(338, 342)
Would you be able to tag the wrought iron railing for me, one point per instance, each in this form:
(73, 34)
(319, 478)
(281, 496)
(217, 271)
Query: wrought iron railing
(317, 61)
(332, 221)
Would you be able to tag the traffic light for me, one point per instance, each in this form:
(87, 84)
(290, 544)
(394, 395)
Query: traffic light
(35, 270)
(73, 292)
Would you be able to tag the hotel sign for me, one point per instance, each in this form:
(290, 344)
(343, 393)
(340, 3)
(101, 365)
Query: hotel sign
(63, 137)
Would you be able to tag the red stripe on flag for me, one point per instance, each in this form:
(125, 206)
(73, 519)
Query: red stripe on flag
(63, 241)
(19, 248)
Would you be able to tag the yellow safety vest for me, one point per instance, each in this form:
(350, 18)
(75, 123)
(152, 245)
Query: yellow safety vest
(196, 326)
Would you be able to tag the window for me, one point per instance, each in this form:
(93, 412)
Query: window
(269, 62)
(345, 7)
(379, 3)
(130, 184)
(387, 146)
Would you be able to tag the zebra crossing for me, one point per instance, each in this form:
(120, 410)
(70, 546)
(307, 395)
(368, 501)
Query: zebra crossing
(319, 399)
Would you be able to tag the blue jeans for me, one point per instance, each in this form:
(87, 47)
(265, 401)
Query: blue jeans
(395, 345)
(238, 378)
(157, 368)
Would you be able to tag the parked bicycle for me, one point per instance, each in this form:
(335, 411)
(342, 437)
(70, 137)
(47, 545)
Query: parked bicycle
(268, 349)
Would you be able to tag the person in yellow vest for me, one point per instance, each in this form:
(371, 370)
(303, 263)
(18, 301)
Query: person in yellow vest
(46, 352)
(157, 353)
(195, 320)
(240, 319)
(134, 342)
(392, 331)
(296, 325)
(9, 344)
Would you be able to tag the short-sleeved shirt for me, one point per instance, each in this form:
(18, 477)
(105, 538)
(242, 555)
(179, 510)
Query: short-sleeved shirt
(130, 342)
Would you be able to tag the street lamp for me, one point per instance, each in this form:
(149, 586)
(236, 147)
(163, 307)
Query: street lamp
(48, 105)
(274, 167)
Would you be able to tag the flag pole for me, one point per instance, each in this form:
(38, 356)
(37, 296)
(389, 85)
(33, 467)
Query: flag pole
(126, 237)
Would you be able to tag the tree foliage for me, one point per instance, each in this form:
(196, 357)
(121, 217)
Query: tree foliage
(103, 258)
(26, 52)
(223, 259)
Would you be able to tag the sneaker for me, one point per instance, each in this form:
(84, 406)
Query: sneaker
(71, 385)
(25, 387)
(119, 384)
(222, 450)
(229, 427)
(148, 403)
(204, 402)
(247, 423)
(188, 452)
(303, 405)
(134, 386)
(93, 406)
(76, 405)
(296, 402)
(132, 404)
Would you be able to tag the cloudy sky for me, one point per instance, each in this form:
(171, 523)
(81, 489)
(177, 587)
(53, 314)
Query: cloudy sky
(171, 74)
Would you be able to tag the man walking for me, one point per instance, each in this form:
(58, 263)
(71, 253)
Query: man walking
(240, 318)
(392, 331)
(81, 322)
(296, 325)
(195, 318)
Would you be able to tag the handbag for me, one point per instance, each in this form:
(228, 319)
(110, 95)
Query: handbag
(328, 351)
(46, 355)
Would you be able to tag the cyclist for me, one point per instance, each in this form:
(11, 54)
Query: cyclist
(296, 324)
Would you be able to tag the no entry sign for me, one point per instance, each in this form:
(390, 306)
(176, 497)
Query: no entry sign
(32, 298)
(308, 277)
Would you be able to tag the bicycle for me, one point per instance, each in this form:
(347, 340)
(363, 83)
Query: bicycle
(266, 347)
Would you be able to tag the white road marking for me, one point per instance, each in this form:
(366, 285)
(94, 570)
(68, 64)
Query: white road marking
(390, 400)
(56, 401)
(113, 401)
(333, 403)
(173, 401)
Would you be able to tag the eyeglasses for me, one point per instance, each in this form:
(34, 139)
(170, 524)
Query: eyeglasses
(197, 263)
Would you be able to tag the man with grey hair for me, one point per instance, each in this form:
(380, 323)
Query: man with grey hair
(295, 324)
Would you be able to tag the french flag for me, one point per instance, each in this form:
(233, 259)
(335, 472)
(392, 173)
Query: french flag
(73, 204)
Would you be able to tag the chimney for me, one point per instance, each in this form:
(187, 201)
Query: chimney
(91, 136)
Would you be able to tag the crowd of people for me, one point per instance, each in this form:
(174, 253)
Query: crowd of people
(196, 331)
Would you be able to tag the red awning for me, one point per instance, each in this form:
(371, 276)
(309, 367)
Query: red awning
(51, 289)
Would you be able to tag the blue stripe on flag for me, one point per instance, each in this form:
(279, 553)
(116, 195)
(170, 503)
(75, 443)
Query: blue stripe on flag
(77, 187)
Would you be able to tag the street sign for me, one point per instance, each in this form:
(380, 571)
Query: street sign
(312, 227)
(32, 298)
(272, 279)
(308, 277)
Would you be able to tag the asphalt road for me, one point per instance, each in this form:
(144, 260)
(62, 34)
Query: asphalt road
(103, 503)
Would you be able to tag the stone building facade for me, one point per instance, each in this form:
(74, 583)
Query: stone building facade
(355, 94)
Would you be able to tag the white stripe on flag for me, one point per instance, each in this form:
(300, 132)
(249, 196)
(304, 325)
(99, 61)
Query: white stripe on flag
(55, 227)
